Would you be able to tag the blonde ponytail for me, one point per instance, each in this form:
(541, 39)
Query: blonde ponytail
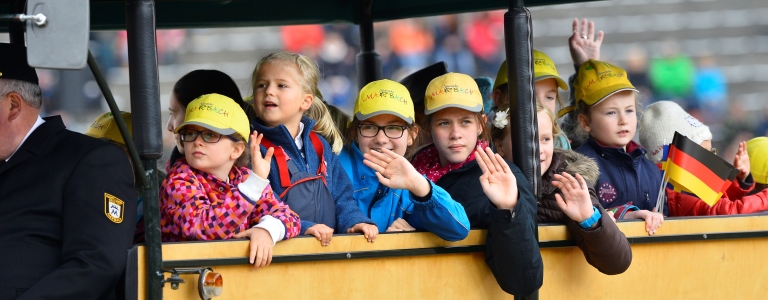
(324, 125)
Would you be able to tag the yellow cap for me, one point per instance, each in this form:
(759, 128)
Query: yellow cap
(598, 80)
(453, 90)
(384, 97)
(758, 161)
(543, 68)
(218, 113)
(105, 127)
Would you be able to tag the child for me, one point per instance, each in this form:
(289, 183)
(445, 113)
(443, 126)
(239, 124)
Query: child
(386, 185)
(546, 81)
(658, 125)
(607, 111)
(284, 91)
(210, 194)
(757, 148)
(567, 197)
(192, 85)
(501, 200)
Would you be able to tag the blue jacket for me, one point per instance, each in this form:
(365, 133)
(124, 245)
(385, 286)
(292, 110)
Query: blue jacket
(624, 177)
(437, 212)
(347, 212)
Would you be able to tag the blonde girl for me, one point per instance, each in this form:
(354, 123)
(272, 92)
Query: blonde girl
(289, 107)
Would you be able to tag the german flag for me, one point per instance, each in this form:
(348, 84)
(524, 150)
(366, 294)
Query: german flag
(691, 168)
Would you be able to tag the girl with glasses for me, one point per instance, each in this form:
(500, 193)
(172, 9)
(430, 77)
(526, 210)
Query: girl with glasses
(387, 187)
(211, 194)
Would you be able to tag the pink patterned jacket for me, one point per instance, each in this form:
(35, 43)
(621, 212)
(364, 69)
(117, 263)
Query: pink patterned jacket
(195, 205)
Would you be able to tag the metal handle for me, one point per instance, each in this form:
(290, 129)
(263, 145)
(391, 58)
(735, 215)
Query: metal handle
(39, 19)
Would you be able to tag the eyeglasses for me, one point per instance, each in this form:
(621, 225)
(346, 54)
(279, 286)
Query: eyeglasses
(208, 136)
(391, 131)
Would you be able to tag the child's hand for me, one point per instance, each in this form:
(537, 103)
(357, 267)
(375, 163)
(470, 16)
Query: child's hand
(583, 43)
(259, 165)
(396, 172)
(261, 246)
(653, 219)
(322, 232)
(400, 225)
(370, 231)
(577, 204)
(741, 161)
(498, 182)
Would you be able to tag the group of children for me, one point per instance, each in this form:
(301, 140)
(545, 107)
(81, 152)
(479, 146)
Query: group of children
(280, 168)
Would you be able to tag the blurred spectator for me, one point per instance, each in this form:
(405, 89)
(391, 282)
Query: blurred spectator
(485, 38)
(637, 72)
(710, 90)
(453, 53)
(411, 41)
(304, 39)
(672, 75)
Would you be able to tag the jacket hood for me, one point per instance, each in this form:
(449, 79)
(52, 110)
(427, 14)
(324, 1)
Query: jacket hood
(576, 163)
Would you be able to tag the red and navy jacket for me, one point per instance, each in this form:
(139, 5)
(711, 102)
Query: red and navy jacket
(625, 176)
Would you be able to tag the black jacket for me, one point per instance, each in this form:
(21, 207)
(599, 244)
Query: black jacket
(511, 250)
(57, 194)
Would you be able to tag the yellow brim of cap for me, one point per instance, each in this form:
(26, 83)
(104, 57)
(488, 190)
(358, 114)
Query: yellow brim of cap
(448, 103)
(560, 83)
(210, 125)
(363, 116)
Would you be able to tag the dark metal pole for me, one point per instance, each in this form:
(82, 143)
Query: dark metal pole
(145, 107)
(368, 61)
(16, 29)
(519, 50)
(138, 169)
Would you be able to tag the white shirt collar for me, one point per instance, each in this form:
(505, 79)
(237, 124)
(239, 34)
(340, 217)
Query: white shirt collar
(298, 140)
(38, 122)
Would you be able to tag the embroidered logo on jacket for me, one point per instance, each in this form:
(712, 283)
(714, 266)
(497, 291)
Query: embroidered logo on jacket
(113, 208)
(607, 193)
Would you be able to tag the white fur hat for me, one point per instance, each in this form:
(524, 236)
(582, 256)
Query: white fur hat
(659, 122)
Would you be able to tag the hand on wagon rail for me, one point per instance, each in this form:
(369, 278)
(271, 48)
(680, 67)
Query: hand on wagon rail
(322, 232)
(498, 182)
(400, 225)
(370, 231)
(260, 165)
(260, 254)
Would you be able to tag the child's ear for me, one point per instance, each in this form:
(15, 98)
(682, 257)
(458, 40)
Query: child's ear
(413, 132)
(584, 122)
(237, 150)
(306, 102)
(497, 97)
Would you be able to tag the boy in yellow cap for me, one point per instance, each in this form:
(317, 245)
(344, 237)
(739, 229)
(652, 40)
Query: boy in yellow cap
(606, 108)
(211, 194)
(501, 200)
(546, 81)
(387, 186)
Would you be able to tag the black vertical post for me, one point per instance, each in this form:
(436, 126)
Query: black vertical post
(368, 61)
(147, 134)
(519, 50)
(16, 29)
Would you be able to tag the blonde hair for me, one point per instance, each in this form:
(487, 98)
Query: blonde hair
(555, 128)
(310, 73)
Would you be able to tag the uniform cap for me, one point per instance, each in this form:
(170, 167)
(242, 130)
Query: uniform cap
(14, 63)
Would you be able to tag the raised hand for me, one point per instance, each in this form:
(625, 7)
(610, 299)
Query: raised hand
(322, 232)
(498, 182)
(400, 225)
(583, 43)
(260, 165)
(396, 172)
(575, 202)
(741, 161)
(371, 232)
(261, 246)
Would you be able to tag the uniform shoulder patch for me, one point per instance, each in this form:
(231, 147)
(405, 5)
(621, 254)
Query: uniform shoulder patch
(113, 208)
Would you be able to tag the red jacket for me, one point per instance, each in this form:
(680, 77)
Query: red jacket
(734, 201)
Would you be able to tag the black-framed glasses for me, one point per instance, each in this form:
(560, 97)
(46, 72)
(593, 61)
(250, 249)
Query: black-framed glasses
(391, 131)
(208, 136)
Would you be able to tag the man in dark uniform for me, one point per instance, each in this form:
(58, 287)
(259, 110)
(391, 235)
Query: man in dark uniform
(67, 201)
